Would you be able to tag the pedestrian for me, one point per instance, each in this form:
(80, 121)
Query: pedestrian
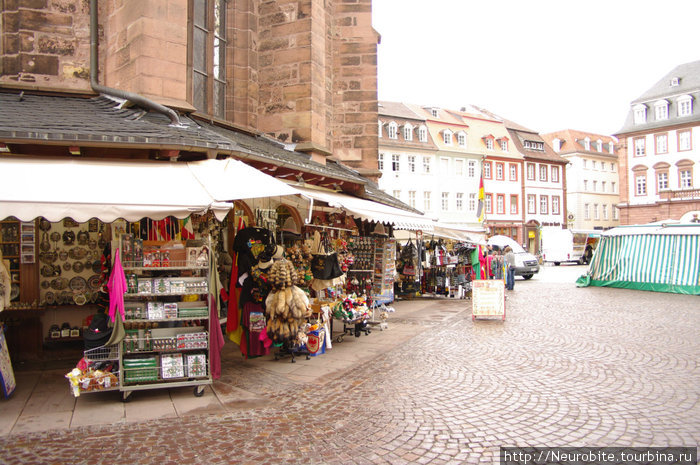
(489, 264)
(509, 258)
(497, 265)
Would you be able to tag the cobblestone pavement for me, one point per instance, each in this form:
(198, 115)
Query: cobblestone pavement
(568, 367)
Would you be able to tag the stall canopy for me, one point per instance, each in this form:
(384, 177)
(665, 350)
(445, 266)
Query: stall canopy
(109, 189)
(369, 210)
(658, 257)
(230, 179)
(450, 231)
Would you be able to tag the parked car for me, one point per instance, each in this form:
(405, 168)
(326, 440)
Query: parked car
(526, 264)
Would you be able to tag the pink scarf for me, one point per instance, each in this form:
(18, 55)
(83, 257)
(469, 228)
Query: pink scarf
(116, 287)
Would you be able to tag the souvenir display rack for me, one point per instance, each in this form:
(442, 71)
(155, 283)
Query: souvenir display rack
(167, 335)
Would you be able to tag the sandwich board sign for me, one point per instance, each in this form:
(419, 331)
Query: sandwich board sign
(488, 299)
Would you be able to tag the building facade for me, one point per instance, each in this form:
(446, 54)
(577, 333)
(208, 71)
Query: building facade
(659, 151)
(303, 72)
(406, 154)
(592, 178)
(544, 202)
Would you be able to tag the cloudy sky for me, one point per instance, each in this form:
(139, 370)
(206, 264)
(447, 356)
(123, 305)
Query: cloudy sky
(545, 64)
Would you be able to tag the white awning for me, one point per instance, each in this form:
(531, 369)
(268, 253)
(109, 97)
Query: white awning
(369, 210)
(109, 189)
(230, 179)
(450, 231)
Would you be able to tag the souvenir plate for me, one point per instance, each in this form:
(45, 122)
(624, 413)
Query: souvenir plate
(63, 255)
(50, 298)
(45, 284)
(55, 236)
(67, 266)
(78, 283)
(78, 267)
(79, 299)
(96, 266)
(59, 284)
(93, 281)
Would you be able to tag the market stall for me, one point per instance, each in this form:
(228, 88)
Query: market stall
(73, 236)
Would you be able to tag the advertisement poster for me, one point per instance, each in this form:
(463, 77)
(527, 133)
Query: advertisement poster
(488, 299)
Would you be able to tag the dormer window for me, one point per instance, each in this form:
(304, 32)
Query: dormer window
(556, 144)
(379, 128)
(447, 137)
(640, 114)
(423, 134)
(503, 143)
(611, 148)
(393, 130)
(408, 132)
(685, 105)
(599, 145)
(661, 110)
(587, 143)
(488, 140)
(675, 82)
(435, 112)
(462, 139)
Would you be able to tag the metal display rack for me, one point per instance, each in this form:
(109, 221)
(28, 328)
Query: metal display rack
(176, 355)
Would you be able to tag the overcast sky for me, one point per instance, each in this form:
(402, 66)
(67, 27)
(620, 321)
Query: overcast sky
(545, 64)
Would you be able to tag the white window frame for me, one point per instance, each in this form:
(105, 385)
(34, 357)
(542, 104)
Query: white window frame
(661, 142)
(395, 162)
(543, 173)
(504, 145)
(411, 163)
(596, 214)
(459, 167)
(661, 110)
(685, 105)
(499, 171)
(489, 144)
(380, 129)
(423, 134)
(640, 114)
(587, 143)
(604, 208)
(555, 205)
(472, 202)
(685, 178)
(531, 204)
(555, 174)
(471, 168)
(544, 204)
(587, 211)
(426, 201)
(459, 201)
(662, 180)
(513, 168)
(393, 130)
(397, 194)
(408, 132)
(444, 165)
(447, 137)
(684, 140)
(500, 204)
(380, 161)
(427, 162)
(412, 199)
(531, 172)
(640, 144)
(445, 201)
(462, 139)
(640, 185)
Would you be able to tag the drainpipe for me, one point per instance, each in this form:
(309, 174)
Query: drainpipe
(135, 98)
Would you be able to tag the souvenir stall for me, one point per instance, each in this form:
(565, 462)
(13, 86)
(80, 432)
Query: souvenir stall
(155, 253)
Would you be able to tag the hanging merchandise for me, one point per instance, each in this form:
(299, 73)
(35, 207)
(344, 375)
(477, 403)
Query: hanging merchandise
(286, 306)
(324, 264)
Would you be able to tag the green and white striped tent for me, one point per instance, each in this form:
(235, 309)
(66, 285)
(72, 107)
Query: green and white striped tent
(655, 257)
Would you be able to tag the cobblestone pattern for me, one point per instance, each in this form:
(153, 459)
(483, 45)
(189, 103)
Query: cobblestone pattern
(568, 367)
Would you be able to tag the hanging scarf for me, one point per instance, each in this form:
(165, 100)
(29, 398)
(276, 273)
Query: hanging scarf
(233, 317)
(116, 286)
(215, 335)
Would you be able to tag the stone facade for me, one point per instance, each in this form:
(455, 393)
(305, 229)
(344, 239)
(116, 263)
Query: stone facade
(45, 44)
(304, 72)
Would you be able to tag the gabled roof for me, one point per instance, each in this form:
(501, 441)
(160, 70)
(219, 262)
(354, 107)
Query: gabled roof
(686, 81)
(397, 109)
(572, 141)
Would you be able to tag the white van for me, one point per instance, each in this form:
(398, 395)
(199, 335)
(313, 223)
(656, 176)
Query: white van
(526, 264)
(558, 246)
(568, 245)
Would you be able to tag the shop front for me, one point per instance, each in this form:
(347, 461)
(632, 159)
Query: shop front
(67, 223)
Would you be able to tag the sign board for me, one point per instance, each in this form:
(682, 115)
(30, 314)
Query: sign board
(7, 376)
(488, 299)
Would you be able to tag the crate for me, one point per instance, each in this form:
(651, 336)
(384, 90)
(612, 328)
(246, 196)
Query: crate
(140, 369)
